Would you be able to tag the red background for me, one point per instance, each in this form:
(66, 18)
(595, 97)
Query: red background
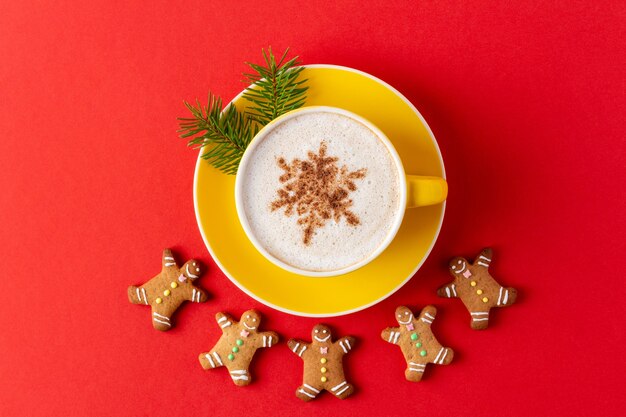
(527, 101)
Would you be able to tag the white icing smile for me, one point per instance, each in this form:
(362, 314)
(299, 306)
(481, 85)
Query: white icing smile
(406, 322)
(189, 274)
(321, 340)
(248, 327)
(461, 270)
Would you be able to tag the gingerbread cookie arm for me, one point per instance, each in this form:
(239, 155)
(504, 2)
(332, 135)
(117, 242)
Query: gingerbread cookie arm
(210, 360)
(167, 261)
(391, 334)
(448, 290)
(427, 315)
(506, 296)
(138, 295)
(195, 294)
(298, 346)
(224, 320)
(267, 339)
(484, 259)
(345, 343)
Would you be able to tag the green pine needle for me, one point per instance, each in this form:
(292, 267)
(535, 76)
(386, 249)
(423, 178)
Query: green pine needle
(226, 133)
(276, 88)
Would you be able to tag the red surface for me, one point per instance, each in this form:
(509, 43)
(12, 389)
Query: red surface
(527, 101)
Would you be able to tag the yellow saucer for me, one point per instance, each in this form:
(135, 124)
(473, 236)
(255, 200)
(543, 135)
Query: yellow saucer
(214, 200)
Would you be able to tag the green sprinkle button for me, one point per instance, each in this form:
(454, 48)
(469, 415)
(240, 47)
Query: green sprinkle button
(418, 344)
(235, 349)
(413, 336)
(239, 342)
(423, 353)
(231, 357)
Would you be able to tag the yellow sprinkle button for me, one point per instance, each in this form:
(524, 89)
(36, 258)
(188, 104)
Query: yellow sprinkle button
(166, 293)
(473, 283)
(159, 300)
(479, 292)
(485, 299)
(174, 284)
(323, 360)
(323, 370)
(324, 379)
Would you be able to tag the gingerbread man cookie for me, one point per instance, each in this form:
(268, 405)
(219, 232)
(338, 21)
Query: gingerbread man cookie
(477, 289)
(417, 342)
(237, 346)
(323, 367)
(167, 291)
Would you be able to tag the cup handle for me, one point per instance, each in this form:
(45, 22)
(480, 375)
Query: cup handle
(425, 191)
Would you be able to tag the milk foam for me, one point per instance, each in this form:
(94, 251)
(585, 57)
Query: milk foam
(376, 201)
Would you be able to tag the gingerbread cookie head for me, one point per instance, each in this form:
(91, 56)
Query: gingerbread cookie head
(460, 267)
(191, 270)
(404, 316)
(321, 334)
(251, 320)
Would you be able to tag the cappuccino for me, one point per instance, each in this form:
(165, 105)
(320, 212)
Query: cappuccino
(321, 191)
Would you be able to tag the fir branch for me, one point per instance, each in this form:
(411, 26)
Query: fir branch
(224, 134)
(276, 88)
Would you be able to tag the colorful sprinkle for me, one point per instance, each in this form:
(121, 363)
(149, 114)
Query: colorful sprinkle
(166, 292)
(418, 344)
(485, 299)
(324, 379)
(239, 342)
(235, 349)
(323, 370)
(323, 360)
(159, 300)
(413, 336)
(473, 283)
(479, 292)
(174, 284)
(231, 357)
(423, 353)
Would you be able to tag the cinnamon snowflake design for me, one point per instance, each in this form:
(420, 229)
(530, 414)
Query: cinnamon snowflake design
(317, 190)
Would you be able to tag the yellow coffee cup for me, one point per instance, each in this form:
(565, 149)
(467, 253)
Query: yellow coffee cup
(413, 191)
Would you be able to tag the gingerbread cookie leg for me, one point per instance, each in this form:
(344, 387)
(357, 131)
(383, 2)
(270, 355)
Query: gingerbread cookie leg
(241, 377)
(161, 318)
(308, 391)
(506, 297)
(414, 371)
(342, 390)
(480, 319)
